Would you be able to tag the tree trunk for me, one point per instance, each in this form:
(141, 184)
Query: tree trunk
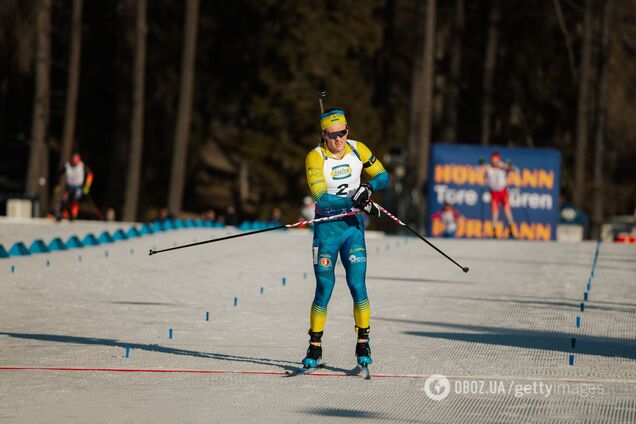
(490, 61)
(68, 138)
(184, 115)
(421, 109)
(601, 110)
(37, 174)
(583, 108)
(137, 124)
(454, 85)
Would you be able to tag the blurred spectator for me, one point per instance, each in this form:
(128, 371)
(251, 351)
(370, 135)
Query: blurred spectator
(308, 209)
(231, 217)
(209, 215)
(165, 214)
(110, 215)
(277, 217)
(449, 217)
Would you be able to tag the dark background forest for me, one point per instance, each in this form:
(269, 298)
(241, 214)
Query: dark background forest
(530, 73)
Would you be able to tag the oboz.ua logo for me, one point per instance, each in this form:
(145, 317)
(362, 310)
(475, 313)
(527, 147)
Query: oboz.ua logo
(437, 387)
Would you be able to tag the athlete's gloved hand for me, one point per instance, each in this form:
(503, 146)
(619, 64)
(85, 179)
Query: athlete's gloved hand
(362, 195)
(371, 210)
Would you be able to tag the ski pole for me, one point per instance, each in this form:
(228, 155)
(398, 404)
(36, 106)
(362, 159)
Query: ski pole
(279, 227)
(98, 212)
(396, 219)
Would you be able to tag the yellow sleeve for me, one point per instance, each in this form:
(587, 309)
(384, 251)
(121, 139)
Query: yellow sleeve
(315, 178)
(372, 166)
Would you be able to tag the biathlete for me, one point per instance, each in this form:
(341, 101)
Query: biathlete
(77, 182)
(334, 171)
(497, 178)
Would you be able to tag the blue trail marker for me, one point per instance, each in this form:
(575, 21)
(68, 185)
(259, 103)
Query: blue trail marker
(582, 306)
(106, 253)
(127, 354)
(12, 269)
(207, 316)
(578, 322)
(170, 333)
(572, 360)
(235, 301)
(48, 263)
(284, 281)
(262, 290)
(585, 296)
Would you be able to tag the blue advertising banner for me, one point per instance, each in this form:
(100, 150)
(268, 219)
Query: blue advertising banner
(460, 176)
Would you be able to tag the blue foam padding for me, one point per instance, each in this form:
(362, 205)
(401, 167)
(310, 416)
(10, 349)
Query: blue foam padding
(90, 240)
(57, 244)
(120, 235)
(105, 237)
(189, 223)
(156, 227)
(133, 232)
(74, 242)
(199, 223)
(178, 223)
(38, 246)
(245, 225)
(167, 225)
(209, 224)
(3, 252)
(146, 229)
(19, 249)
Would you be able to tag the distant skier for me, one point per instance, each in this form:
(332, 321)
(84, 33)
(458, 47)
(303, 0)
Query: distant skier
(497, 179)
(333, 174)
(450, 217)
(77, 181)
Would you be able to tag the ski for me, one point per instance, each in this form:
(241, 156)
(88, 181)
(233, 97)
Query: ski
(304, 371)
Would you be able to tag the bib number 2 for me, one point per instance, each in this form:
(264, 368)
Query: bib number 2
(342, 190)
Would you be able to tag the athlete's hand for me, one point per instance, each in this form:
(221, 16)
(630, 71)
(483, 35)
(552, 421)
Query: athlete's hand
(362, 195)
(86, 190)
(371, 210)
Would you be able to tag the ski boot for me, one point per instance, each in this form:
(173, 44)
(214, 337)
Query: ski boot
(363, 351)
(314, 351)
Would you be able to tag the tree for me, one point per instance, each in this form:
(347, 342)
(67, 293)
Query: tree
(601, 111)
(73, 83)
(582, 125)
(37, 176)
(421, 106)
(451, 107)
(133, 180)
(490, 61)
(184, 115)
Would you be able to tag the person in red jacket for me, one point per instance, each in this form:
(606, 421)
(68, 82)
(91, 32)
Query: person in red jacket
(450, 217)
(497, 178)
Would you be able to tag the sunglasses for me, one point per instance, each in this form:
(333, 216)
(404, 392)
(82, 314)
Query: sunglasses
(334, 135)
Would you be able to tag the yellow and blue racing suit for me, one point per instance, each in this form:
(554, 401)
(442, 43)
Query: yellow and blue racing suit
(332, 183)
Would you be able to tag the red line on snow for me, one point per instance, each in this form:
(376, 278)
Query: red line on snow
(186, 371)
